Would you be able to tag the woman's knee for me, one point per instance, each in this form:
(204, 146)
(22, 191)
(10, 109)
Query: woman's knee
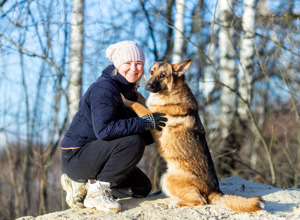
(136, 144)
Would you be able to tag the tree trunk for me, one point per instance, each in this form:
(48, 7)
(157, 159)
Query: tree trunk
(245, 76)
(246, 57)
(209, 74)
(76, 57)
(179, 32)
(228, 78)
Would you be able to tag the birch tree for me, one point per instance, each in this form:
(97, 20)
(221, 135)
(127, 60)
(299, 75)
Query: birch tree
(209, 73)
(179, 32)
(209, 82)
(227, 65)
(246, 57)
(227, 78)
(76, 57)
(245, 76)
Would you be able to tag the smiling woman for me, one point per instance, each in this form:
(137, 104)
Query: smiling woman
(106, 140)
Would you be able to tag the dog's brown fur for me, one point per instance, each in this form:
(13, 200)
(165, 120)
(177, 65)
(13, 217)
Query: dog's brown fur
(190, 178)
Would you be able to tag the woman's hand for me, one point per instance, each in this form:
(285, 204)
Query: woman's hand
(155, 121)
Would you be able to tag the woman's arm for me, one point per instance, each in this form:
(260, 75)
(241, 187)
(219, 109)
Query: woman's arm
(105, 101)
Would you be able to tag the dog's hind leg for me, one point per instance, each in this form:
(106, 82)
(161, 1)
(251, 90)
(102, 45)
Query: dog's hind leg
(183, 191)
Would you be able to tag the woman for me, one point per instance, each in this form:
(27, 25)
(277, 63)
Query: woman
(106, 140)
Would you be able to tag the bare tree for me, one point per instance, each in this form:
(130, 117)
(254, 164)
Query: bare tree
(208, 86)
(29, 184)
(245, 77)
(228, 78)
(247, 53)
(76, 57)
(179, 32)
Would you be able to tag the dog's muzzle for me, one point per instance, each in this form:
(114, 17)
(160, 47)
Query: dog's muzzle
(153, 86)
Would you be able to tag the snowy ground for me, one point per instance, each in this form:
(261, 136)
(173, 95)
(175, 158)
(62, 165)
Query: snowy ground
(280, 204)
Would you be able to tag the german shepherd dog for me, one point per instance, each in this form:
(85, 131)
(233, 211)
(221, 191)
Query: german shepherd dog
(190, 179)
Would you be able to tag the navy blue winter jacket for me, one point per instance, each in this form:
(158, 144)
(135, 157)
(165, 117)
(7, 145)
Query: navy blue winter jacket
(102, 114)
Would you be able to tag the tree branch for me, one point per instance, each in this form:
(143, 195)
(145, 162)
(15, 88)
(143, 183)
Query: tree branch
(29, 53)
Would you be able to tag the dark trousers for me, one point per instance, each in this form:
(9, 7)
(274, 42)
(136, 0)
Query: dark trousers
(109, 161)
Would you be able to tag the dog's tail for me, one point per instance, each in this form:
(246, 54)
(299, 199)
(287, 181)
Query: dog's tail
(237, 203)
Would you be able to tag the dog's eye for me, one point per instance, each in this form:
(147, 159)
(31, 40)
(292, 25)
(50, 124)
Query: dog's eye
(162, 75)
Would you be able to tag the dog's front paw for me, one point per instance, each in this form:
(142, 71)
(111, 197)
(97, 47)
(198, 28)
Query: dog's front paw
(173, 205)
(126, 102)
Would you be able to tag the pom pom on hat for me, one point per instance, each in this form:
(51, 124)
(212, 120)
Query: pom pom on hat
(123, 52)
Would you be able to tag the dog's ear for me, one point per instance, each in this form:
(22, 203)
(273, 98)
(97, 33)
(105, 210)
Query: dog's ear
(180, 68)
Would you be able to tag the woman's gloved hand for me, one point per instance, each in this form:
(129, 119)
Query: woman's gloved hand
(154, 121)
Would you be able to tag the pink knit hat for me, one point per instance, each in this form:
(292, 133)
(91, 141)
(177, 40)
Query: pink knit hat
(123, 52)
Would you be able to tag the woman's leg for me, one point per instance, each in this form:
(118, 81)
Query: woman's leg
(135, 184)
(107, 161)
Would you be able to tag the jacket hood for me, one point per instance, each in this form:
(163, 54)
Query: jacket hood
(108, 71)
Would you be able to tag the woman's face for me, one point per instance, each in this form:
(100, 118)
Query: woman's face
(132, 70)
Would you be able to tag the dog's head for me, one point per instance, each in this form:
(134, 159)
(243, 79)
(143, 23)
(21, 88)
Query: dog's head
(162, 75)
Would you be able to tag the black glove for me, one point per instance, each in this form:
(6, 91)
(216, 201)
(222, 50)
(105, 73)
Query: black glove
(154, 120)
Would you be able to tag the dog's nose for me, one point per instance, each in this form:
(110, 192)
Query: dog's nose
(149, 86)
(153, 86)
